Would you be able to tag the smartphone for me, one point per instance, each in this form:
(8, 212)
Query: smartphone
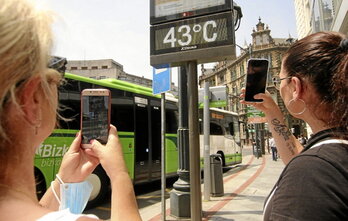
(256, 78)
(95, 116)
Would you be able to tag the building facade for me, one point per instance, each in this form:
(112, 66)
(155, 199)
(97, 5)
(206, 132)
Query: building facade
(232, 74)
(105, 68)
(108, 68)
(321, 15)
(303, 17)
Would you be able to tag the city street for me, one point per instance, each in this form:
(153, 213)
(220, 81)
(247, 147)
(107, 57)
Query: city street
(245, 188)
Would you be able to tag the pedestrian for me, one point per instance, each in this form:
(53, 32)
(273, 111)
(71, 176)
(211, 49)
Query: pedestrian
(28, 104)
(314, 87)
(274, 149)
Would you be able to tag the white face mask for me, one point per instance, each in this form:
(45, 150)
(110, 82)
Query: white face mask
(74, 195)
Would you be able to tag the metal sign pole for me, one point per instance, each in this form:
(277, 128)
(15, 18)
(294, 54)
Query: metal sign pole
(163, 154)
(180, 195)
(195, 170)
(206, 123)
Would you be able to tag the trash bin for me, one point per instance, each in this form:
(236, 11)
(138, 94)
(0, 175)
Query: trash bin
(217, 184)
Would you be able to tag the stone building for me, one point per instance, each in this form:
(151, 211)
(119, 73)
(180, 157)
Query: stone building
(232, 73)
(105, 68)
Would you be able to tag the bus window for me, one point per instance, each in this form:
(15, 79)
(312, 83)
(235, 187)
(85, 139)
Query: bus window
(122, 111)
(216, 129)
(171, 118)
(70, 110)
(231, 128)
(84, 85)
(69, 104)
(171, 121)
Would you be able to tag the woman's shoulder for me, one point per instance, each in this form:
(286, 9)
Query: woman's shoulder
(319, 163)
(332, 151)
(66, 215)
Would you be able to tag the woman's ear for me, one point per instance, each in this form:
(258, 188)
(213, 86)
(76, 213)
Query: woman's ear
(297, 88)
(30, 100)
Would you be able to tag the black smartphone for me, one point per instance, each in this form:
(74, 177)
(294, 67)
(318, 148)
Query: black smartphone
(95, 116)
(256, 78)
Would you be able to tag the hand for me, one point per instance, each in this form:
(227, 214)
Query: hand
(77, 164)
(109, 155)
(267, 105)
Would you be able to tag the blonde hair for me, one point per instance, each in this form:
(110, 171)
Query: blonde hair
(25, 43)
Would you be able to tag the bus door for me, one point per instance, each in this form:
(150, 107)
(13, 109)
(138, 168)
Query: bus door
(155, 139)
(142, 148)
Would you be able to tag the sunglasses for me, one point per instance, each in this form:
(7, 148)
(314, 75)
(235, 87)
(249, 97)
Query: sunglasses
(58, 64)
(277, 80)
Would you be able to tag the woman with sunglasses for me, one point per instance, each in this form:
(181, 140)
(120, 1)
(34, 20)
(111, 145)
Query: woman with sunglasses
(28, 104)
(313, 84)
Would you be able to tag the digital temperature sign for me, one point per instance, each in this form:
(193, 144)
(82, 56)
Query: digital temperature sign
(169, 10)
(185, 39)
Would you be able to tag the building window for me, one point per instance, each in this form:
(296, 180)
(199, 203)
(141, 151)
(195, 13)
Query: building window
(222, 78)
(241, 84)
(212, 82)
(270, 60)
(242, 70)
(84, 68)
(322, 15)
(104, 67)
(94, 67)
(234, 91)
(233, 75)
(73, 68)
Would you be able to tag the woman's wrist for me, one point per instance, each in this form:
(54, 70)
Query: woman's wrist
(274, 114)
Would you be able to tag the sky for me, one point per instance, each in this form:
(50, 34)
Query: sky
(120, 30)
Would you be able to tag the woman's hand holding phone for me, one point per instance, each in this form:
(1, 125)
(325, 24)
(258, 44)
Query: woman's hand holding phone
(267, 106)
(77, 165)
(110, 155)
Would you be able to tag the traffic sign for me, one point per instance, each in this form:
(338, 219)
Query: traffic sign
(255, 116)
(161, 81)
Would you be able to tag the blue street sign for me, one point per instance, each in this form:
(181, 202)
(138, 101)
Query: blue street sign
(161, 81)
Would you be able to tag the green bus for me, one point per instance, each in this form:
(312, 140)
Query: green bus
(136, 113)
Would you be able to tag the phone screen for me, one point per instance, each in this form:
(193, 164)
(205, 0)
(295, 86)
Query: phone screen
(256, 79)
(95, 119)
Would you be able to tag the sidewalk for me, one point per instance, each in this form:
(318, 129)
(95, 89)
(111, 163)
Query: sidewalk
(245, 188)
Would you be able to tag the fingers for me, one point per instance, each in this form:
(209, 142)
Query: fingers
(264, 96)
(112, 133)
(75, 145)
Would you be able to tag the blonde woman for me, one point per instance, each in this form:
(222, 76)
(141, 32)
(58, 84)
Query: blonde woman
(28, 103)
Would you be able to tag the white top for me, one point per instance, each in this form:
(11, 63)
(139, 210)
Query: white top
(63, 215)
(272, 142)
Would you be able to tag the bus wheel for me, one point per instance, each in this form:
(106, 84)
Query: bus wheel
(100, 183)
(40, 183)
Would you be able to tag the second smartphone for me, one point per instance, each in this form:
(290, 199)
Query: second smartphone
(95, 115)
(256, 78)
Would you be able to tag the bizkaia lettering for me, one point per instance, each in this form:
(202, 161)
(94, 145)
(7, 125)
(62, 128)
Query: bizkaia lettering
(49, 150)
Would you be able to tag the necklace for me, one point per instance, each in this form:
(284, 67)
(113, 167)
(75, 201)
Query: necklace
(19, 192)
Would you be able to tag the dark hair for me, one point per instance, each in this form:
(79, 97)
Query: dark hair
(322, 60)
